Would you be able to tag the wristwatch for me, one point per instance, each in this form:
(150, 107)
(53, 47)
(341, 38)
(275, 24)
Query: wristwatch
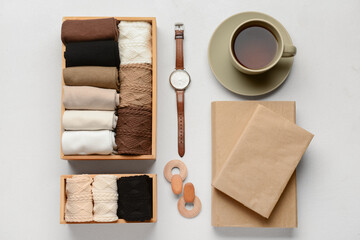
(180, 80)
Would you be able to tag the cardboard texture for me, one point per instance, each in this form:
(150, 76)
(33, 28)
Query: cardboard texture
(228, 122)
(263, 160)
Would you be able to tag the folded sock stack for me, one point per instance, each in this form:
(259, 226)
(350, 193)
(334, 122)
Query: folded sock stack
(128, 198)
(134, 128)
(92, 82)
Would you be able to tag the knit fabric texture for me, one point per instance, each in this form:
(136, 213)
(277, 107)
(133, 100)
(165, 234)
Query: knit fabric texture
(105, 198)
(89, 30)
(79, 205)
(136, 85)
(135, 42)
(135, 198)
(133, 131)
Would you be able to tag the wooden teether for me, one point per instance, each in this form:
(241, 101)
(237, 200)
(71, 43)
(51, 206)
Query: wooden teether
(175, 164)
(176, 184)
(189, 193)
(192, 212)
(176, 181)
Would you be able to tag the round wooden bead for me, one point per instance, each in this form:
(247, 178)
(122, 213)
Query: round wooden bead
(189, 193)
(176, 184)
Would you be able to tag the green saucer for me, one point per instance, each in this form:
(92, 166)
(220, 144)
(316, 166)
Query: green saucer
(229, 76)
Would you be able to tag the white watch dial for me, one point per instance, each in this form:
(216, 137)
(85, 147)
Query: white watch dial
(179, 79)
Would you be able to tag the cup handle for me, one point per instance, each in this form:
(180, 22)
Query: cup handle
(289, 51)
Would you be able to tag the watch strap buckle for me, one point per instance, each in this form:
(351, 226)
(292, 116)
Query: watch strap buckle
(179, 31)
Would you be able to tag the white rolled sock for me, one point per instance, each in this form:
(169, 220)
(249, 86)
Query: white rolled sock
(89, 120)
(88, 142)
(135, 42)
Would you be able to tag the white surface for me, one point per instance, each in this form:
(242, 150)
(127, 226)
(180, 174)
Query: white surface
(324, 82)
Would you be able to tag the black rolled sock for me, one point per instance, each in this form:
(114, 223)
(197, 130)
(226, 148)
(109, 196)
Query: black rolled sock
(93, 53)
(135, 198)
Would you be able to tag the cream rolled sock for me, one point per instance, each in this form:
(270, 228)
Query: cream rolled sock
(105, 198)
(88, 142)
(89, 120)
(135, 42)
(79, 204)
(89, 98)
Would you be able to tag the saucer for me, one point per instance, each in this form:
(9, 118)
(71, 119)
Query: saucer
(229, 76)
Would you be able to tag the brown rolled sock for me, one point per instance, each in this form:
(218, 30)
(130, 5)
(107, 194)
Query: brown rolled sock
(136, 85)
(102, 77)
(89, 30)
(133, 131)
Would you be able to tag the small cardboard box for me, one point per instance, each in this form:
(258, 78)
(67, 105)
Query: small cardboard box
(152, 156)
(63, 199)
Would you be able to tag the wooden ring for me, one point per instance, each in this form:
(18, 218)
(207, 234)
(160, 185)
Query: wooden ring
(192, 212)
(175, 164)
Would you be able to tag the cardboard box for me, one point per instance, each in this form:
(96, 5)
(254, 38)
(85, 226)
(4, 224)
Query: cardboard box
(152, 156)
(63, 199)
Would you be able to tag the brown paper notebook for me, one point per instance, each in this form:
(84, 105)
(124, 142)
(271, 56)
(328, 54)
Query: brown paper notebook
(263, 160)
(228, 121)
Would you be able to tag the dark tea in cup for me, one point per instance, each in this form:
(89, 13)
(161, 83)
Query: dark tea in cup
(255, 47)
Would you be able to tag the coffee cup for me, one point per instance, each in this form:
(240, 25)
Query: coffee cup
(256, 46)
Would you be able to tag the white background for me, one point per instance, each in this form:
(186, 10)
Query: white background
(324, 82)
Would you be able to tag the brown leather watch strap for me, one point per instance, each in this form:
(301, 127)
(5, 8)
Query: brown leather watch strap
(181, 121)
(179, 36)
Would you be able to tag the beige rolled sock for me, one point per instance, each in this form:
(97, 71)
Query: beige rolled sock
(105, 198)
(79, 205)
(90, 98)
(89, 120)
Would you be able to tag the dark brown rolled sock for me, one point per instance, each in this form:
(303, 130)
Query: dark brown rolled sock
(134, 131)
(102, 77)
(89, 30)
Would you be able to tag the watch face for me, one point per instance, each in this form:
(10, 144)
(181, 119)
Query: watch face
(179, 79)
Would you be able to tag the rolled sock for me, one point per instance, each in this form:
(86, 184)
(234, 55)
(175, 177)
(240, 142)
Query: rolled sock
(136, 85)
(135, 42)
(88, 142)
(90, 98)
(102, 77)
(95, 53)
(89, 120)
(105, 198)
(133, 131)
(89, 30)
(79, 205)
(135, 198)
